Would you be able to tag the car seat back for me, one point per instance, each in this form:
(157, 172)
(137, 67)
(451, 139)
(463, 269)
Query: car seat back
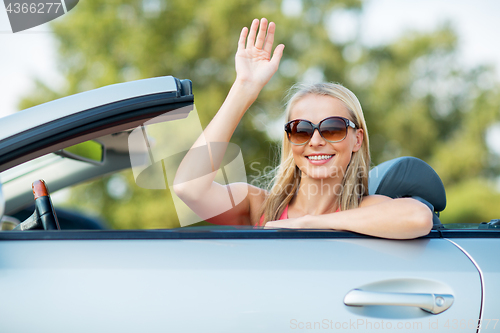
(409, 177)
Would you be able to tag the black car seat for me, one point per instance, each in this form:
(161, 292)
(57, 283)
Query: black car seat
(409, 177)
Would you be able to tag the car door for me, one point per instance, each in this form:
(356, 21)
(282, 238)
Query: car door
(224, 280)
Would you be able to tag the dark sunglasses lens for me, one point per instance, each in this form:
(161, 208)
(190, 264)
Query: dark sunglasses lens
(299, 131)
(333, 129)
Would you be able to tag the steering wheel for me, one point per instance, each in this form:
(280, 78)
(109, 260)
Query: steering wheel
(44, 217)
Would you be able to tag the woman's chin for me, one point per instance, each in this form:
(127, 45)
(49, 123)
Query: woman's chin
(323, 172)
(319, 174)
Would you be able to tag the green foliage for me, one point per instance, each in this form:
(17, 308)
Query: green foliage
(471, 201)
(418, 99)
(90, 150)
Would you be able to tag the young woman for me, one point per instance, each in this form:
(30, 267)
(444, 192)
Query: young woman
(322, 181)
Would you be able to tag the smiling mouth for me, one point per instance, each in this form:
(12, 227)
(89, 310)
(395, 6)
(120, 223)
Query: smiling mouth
(319, 157)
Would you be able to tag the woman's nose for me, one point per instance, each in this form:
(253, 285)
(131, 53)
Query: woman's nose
(317, 139)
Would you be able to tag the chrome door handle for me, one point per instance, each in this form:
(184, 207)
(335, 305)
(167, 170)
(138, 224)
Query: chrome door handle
(433, 303)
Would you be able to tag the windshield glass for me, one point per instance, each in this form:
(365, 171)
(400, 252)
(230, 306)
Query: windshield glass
(30, 166)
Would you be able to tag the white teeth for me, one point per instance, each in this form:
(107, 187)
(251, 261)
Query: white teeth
(319, 157)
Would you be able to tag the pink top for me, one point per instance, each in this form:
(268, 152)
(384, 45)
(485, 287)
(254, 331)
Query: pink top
(283, 216)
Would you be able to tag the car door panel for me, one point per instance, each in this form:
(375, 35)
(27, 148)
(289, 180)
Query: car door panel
(243, 285)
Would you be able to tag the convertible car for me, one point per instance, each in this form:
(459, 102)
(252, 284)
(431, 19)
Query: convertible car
(63, 271)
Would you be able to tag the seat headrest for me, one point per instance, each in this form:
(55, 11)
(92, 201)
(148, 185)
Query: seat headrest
(408, 177)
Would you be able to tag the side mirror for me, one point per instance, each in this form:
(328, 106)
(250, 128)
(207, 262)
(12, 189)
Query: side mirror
(89, 151)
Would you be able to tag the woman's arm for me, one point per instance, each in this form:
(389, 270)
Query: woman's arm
(378, 215)
(254, 68)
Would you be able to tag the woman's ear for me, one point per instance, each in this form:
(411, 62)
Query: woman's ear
(359, 140)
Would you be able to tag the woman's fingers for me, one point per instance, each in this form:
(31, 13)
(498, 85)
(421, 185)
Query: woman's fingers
(261, 37)
(243, 36)
(263, 40)
(278, 53)
(252, 33)
(268, 46)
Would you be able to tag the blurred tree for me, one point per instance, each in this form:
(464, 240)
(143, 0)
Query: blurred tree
(418, 99)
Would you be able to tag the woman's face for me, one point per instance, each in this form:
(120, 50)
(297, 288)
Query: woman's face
(338, 155)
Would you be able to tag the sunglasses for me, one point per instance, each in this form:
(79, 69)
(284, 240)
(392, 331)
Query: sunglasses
(332, 129)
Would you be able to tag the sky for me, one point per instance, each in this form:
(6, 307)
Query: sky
(27, 55)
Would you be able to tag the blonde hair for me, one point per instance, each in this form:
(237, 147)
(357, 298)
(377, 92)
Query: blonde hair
(287, 175)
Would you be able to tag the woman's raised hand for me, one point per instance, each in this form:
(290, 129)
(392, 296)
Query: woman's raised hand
(254, 63)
